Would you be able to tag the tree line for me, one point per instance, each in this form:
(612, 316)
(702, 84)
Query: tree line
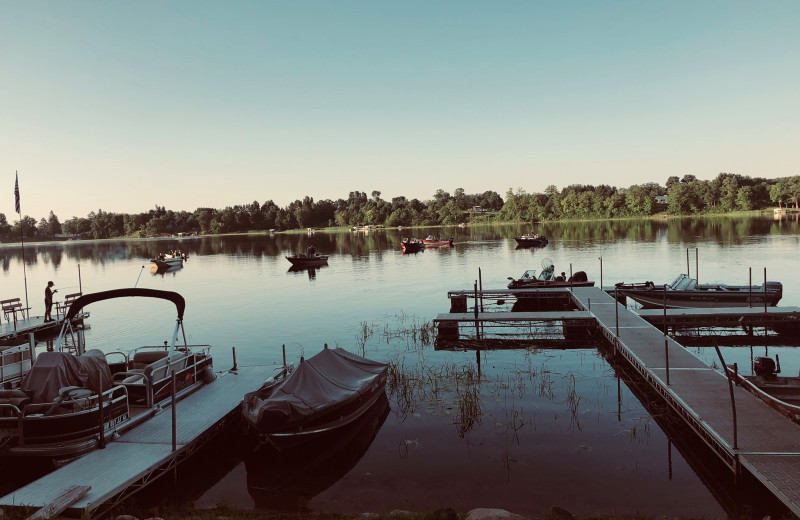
(680, 196)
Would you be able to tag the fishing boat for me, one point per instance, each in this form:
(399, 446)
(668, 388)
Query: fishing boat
(531, 240)
(301, 260)
(548, 278)
(433, 241)
(323, 394)
(412, 245)
(70, 404)
(685, 293)
(780, 392)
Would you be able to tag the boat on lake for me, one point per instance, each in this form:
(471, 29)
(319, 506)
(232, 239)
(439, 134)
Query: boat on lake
(70, 404)
(780, 392)
(433, 241)
(412, 245)
(548, 278)
(531, 240)
(685, 293)
(301, 260)
(323, 394)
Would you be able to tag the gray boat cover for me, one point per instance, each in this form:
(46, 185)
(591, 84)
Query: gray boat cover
(55, 370)
(321, 383)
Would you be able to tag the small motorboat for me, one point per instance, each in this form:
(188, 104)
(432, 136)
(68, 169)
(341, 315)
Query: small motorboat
(69, 404)
(323, 394)
(167, 260)
(301, 260)
(412, 245)
(548, 278)
(780, 392)
(531, 240)
(432, 241)
(685, 293)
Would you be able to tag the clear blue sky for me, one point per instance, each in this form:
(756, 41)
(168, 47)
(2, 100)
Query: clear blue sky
(124, 105)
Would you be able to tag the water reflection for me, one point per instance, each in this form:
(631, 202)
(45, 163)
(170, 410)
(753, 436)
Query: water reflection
(288, 480)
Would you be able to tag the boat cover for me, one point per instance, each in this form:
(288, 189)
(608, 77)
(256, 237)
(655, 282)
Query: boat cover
(318, 385)
(55, 370)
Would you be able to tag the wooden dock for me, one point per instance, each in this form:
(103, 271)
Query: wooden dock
(137, 457)
(18, 331)
(755, 438)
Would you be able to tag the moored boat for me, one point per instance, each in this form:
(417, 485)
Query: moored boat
(548, 278)
(69, 404)
(780, 392)
(685, 293)
(324, 393)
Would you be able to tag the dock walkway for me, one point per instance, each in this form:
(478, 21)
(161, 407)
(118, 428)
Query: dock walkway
(758, 438)
(129, 462)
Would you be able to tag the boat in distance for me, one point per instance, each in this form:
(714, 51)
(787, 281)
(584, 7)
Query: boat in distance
(301, 260)
(432, 241)
(70, 404)
(531, 240)
(324, 393)
(685, 293)
(412, 245)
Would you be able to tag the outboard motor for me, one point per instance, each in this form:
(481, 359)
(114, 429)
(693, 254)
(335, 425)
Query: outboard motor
(764, 367)
(580, 276)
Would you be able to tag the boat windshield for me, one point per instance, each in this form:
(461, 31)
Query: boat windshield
(530, 274)
(683, 283)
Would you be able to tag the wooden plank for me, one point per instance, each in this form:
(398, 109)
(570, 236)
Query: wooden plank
(516, 316)
(71, 495)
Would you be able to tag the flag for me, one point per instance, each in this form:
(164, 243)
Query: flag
(16, 193)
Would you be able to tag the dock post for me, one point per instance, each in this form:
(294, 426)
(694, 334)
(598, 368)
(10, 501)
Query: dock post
(665, 310)
(234, 359)
(696, 266)
(616, 311)
(174, 416)
(480, 287)
(32, 345)
(750, 289)
(102, 441)
(283, 347)
(666, 356)
(477, 324)
(601, 272)
(765, 297)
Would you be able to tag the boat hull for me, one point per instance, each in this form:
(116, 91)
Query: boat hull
(304, 261)
(530, 241)
(654, 298)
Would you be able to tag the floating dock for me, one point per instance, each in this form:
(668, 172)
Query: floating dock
(743, 431)
(137, 457)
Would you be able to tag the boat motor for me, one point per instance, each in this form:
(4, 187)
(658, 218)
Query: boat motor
(765, 367)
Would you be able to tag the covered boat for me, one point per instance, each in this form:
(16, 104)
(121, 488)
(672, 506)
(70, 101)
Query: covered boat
(69, 404)
(548, 278)
(685, 293)
(324, 393)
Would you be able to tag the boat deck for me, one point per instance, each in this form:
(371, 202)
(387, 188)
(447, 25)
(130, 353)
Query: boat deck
(129, 462)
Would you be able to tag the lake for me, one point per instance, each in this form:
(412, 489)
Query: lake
(536, 428)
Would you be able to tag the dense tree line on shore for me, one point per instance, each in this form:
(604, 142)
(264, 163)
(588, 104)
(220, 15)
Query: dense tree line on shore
(680, 196)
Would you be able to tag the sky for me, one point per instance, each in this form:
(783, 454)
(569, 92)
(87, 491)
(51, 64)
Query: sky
(122, 106)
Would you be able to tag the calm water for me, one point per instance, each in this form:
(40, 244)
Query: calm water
(539, 428)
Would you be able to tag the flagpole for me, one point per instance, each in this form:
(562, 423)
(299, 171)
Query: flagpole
(22, 240)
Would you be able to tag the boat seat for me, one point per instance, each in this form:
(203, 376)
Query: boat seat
(144, 358)
(16, 398)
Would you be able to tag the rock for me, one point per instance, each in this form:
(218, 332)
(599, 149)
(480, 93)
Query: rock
(483, 513)
(561, 514)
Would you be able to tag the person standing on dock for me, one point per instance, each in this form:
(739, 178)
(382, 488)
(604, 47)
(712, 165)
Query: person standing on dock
(48, 301)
